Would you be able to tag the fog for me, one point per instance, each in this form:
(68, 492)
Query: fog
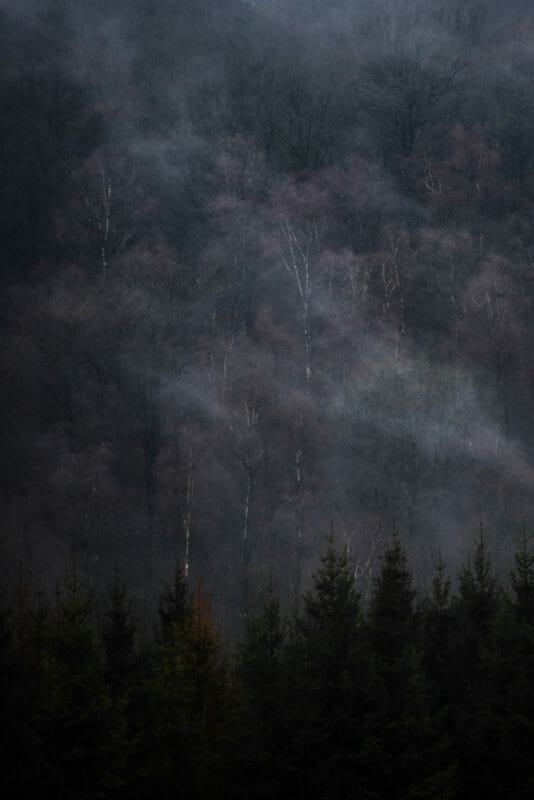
(266, 273)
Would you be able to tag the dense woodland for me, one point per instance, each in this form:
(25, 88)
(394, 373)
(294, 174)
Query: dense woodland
(406, 696)
(267, 271)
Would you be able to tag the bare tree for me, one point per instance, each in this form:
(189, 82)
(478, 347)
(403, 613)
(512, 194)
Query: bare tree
(405, 89)
(297, 248)
(110, 213)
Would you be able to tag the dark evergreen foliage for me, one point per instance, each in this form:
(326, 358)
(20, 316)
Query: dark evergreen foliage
(175, 609)
(405, 751)
(260, 756)
(522, 582)
(327, 699)
(119, 638)
(326, 684)
(80, 727)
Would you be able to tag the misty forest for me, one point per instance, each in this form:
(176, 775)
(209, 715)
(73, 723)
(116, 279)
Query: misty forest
(267, 450)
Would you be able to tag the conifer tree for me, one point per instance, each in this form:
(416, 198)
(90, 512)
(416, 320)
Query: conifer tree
(436, 631)
(479, 589)
(475, 613)
(326, 683)
(405, 751)
(118, 630)
(10, 735)
(502, 751)
(391, 610)
(260, 651)
(499, 758)
(26, 621)
(259, 673)
(81, 728)
(175, 608)
(186, 700)
(522, 581)
(124, 676)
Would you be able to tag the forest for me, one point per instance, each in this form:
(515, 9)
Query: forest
(409, 695)
(267, 272)
(267, 443)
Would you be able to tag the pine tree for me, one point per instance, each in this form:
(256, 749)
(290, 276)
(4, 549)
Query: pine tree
(391, 610)
(26, 621)
(405, 751)
(326, 683)
(479, 590)
(501, 757)
(11, 744)
(475, 612)
(187, 695)
(503, 750)
(259, 677)
(118, 630)
(211, 739)
(522, 581)
(436, 631)
(175, 608)
(260, 653)
(81, 728)
(124, 675)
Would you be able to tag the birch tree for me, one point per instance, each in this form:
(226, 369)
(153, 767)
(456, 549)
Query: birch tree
(110, 213)
(252, 452)
(297, 248)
